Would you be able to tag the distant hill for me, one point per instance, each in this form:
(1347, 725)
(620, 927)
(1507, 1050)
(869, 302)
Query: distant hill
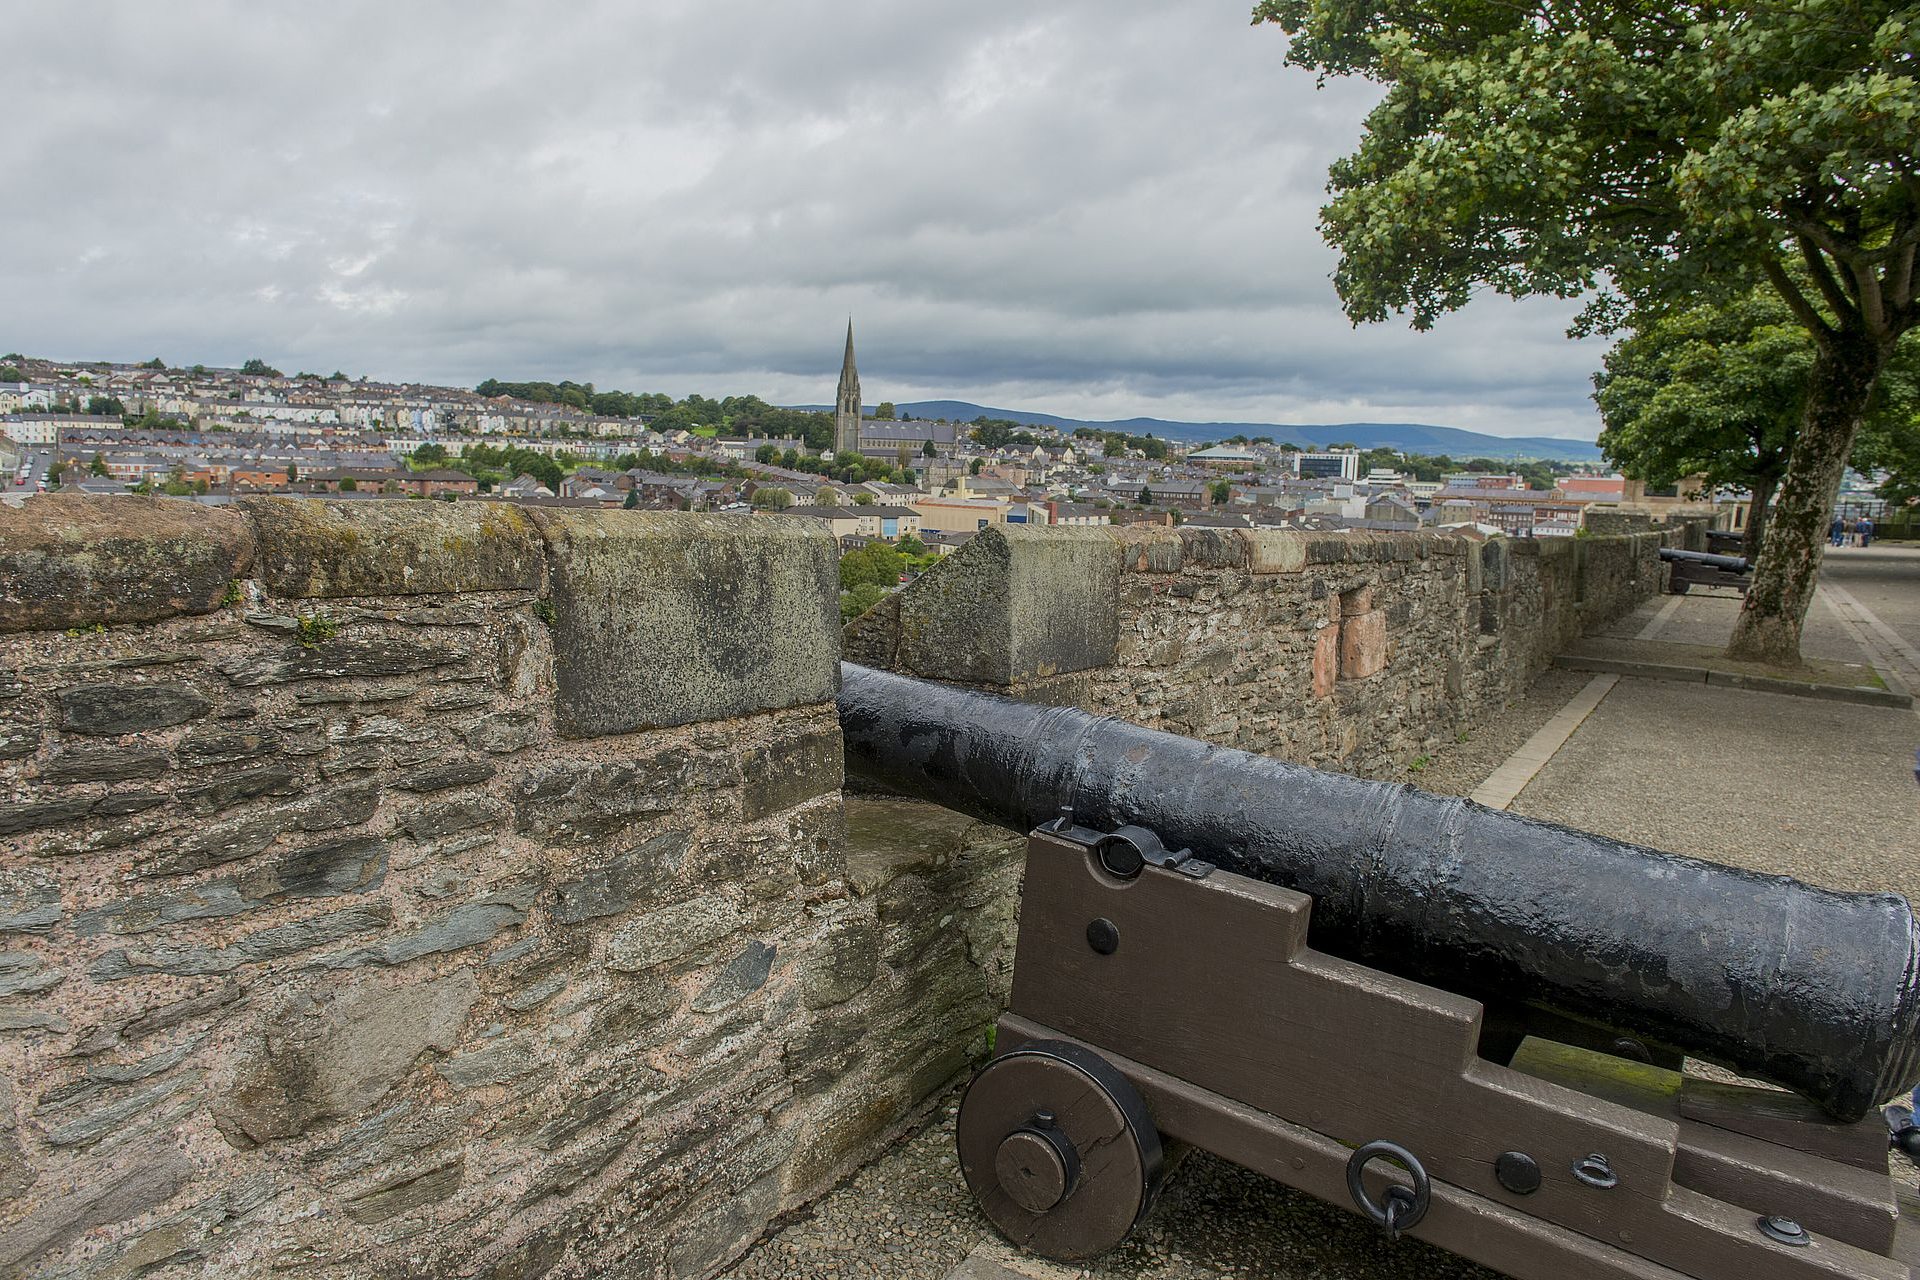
(1408, 437)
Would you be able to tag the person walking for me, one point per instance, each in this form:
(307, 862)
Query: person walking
(1866, 531)
(1837, 531)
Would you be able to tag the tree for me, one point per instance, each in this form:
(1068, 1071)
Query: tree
(54, 472)
(884, 411)
(105, 407)
(875, 563)
(1146, 496)
(1716, 389)
(911, 546)
(431, 454)
(772, 499)
(155, 363)
(1890, 438)
(258, 368)
(1633, 154)
(766, 453)
(11, 373)
(927, 450)
(862, 598)
(973, 467)
(99, 465)
(349, 485)
(1221, 491)
(293, 472)
(863, 499)
(631, 501)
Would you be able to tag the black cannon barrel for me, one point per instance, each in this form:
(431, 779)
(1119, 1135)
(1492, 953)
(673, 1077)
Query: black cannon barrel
(1733, 564)
(1812, 989)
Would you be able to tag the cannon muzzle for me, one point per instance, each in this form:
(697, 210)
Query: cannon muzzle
(1809, 988)
(1732, 564)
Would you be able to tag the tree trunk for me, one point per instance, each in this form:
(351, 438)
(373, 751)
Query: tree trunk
(1838, 388)
(1761, 488)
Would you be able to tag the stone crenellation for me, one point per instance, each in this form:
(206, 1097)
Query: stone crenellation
(427, 889)
(432, 891)
(1355, 652)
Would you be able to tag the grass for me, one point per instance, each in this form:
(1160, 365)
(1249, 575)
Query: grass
(316, 630)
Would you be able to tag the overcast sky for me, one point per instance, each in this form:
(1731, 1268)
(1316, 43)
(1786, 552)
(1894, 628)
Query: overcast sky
(1098, 208)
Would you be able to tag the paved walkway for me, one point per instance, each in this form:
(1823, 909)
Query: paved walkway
(1820, 790)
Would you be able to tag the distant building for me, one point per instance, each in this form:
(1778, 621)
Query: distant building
(1341, 464)
(846, 406)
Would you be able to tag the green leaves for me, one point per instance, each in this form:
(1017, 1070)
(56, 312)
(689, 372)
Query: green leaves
(1538, 150)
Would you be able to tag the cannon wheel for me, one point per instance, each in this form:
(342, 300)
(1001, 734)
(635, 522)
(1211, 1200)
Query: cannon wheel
(1059, 1149)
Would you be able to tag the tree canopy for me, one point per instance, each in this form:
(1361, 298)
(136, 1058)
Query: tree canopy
(1713, 389)
(259, 368)
(1633, 154)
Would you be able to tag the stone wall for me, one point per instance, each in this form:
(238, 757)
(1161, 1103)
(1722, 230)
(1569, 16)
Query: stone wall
(401, 889)
(398, 889)
(1355, 652)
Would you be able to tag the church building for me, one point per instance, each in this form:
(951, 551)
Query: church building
(846, 406)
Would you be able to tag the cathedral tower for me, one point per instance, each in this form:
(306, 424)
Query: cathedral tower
(846, 407)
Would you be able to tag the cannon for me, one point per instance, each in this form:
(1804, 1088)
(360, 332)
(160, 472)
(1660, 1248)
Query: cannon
(1704, 569)
(1463, 1022)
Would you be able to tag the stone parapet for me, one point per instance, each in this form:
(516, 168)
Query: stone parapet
(1357, 651)
(426, 889)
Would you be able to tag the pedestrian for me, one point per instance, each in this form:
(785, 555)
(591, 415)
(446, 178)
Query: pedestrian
(1866, 531)
(1837, 531)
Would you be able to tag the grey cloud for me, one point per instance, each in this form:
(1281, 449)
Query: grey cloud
(1098, 208)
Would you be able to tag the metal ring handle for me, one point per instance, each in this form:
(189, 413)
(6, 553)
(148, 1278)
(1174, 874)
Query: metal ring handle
(1401, 1209)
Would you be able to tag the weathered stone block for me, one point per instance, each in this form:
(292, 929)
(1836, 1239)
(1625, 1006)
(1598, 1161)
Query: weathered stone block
(103, 764)
(739, 978)
(18, 818)
(406, 1191)
(29, 901)
(267, 944)
(672, 932)
(108, 1190)
(467, 925)
(1207, 548)
(633, 877)
(1326, 660)
(1015, 603)
(1276, 551)
(226, 791)
(109, 709)
(435, 820)
(71, 561)
(204, 748)
(318, 549)
(1146, 548)
(1363, 644)
(791, 770)
(841, 964)
(665, 619)
(314, 1062)
(333, 659)
(455, 773)
(574, 803)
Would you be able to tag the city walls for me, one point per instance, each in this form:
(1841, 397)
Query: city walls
(1355, 652)
(403, 888)
(409, 888)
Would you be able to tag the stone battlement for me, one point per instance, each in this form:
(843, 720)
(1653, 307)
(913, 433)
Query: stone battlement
(450, 889)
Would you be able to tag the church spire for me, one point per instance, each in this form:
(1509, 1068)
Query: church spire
(846, 407)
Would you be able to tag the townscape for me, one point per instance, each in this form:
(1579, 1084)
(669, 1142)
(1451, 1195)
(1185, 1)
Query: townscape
(1333, 693)
(920, 488)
